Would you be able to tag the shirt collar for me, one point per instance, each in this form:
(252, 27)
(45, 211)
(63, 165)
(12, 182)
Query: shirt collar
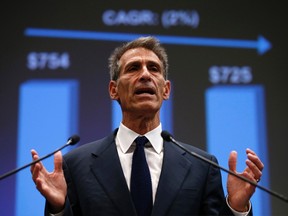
(126, 136)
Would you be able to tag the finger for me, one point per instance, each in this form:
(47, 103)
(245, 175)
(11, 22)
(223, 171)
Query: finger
(34, 154)
(255, 159)
(248, 150)
(254, 170)
(58, 161)
(34, 157)
(35, 172)
(254, 165)
(232, 162)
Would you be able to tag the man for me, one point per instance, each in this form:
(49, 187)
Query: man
(98, 175)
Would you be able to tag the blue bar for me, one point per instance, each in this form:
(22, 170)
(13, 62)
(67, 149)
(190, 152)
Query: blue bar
(116, 114)
(236, 120)
(166, 115)
(48, 116)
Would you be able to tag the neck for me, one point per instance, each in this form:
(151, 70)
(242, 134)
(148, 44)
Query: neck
(141, 124)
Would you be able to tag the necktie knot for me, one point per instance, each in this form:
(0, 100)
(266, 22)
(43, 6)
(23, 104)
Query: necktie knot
(141, 140)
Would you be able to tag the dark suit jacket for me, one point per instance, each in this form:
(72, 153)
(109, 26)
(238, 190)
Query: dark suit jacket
(96, 183)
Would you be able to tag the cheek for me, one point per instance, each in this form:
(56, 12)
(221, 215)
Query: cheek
(123, 89)
(161, 85)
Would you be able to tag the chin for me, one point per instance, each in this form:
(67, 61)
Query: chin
(149, 107)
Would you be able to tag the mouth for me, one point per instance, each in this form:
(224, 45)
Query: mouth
(141, 91)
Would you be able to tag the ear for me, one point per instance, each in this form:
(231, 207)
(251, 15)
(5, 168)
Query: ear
(167, 89)
(113, 90)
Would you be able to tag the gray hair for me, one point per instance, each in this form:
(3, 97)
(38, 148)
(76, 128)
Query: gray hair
(149, 42)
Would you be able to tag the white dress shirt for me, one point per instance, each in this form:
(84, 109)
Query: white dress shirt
(153, 151)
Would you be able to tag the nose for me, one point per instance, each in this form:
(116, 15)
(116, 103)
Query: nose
(145, 74)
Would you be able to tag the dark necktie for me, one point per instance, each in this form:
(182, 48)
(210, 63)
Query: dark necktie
(141, 186)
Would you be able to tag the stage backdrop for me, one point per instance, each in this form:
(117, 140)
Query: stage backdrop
(228, 68)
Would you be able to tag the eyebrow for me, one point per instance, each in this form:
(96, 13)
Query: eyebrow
(149, 62)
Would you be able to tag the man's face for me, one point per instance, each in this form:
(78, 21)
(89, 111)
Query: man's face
(141, 86)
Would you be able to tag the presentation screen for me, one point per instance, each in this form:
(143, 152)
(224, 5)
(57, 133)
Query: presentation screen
(227, 66)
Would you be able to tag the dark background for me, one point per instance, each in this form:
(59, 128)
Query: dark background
(189, 66)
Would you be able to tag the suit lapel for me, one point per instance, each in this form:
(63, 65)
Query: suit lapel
(108, 171)
(174, 171)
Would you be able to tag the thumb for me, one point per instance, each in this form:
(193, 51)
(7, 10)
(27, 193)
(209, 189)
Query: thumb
(58, 161)
(232, 162)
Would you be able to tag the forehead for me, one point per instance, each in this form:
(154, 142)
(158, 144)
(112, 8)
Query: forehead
(138, 54)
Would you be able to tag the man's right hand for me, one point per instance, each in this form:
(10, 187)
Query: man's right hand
(51, 185)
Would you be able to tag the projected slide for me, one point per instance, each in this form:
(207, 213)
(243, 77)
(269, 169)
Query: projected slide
(227, 65)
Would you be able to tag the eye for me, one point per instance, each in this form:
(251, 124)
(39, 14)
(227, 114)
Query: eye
(133, 67)
(154, 68)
